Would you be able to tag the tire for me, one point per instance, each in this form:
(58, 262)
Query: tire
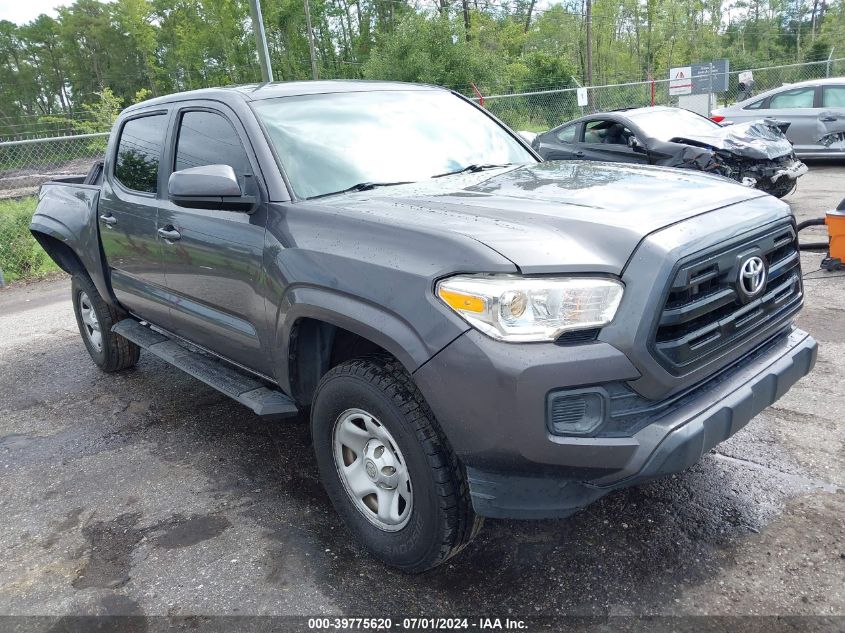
(436, 519)
(95, 318)
(782, 188)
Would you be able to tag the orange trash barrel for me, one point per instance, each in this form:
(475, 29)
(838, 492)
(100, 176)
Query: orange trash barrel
(835, 221)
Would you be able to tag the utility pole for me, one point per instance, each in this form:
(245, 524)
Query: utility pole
(261, 41)
(311, 41)
(589, 20)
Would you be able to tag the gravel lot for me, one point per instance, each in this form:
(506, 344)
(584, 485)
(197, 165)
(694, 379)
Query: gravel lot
(149, 493)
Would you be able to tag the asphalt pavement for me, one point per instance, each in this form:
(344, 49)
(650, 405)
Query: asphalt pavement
(148, 493)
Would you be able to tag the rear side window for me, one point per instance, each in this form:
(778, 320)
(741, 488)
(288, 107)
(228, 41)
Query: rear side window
(754, 106)
(139, 152)
(796, 98)
(567, 134)
(207, 138)
(833, 97)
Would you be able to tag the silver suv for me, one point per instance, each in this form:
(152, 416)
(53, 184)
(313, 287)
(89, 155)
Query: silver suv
(814, 109)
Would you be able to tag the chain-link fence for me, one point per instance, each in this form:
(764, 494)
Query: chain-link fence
(26, 164)
(541, 110)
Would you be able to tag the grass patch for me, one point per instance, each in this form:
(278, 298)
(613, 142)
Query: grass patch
(21, 257)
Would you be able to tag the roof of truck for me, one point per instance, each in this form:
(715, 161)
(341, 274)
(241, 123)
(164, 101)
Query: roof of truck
(257, 92)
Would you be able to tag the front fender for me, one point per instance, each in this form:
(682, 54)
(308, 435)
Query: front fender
(369, 321)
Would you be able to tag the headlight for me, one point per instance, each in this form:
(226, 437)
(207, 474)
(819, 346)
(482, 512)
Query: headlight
(520, 309)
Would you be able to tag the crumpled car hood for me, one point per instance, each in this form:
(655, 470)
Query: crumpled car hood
(554, 216)
(756, 139)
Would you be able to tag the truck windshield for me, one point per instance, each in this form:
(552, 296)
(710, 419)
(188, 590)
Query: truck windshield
(332, 142)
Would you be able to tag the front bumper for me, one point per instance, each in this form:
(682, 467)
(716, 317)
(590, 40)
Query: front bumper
(793, 172)
(491, 403)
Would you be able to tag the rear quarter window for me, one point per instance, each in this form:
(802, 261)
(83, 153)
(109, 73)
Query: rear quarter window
(139, 152)
(566, 134)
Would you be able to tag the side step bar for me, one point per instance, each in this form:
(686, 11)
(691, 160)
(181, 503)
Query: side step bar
(226, 379)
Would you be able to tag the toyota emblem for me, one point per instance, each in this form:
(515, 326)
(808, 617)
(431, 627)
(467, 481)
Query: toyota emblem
(752, 277)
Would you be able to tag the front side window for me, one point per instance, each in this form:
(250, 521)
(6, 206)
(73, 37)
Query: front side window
(833, 97)
(796, 98)
(207, 138)
(139, 152)
(330, 142)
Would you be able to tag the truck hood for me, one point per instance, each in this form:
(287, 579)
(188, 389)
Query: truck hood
(554, 216)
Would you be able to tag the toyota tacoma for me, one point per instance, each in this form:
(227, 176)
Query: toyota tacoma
(473, 332)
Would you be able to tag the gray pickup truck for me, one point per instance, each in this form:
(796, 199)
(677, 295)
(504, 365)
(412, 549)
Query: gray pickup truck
(474, 332)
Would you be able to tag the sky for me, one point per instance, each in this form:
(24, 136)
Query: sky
(22, 11)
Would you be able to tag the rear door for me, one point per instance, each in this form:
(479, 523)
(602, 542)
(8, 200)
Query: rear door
(832, 119)
(128, 215)
(213, 259)
(560, 144)
(798, 106)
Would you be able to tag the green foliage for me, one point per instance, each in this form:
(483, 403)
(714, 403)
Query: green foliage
(433, 50)
(97, 54)
(100, 115)
(21, 257)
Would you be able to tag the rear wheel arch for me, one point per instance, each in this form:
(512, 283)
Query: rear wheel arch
(60, 252)
(56, 239)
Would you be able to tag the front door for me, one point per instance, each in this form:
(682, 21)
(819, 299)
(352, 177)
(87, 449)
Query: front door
(608, 140)
(128, 216)
(213, 258)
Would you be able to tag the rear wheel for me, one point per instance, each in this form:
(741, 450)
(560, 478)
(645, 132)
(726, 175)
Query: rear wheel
(95, 318)
(387, 467)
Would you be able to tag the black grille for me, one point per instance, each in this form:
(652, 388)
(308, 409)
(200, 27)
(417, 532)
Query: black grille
(628, 411)
(704, 312)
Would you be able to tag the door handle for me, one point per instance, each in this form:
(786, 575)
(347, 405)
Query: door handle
(108, 219)
(578, 154)
(828, 119)
(171, 235)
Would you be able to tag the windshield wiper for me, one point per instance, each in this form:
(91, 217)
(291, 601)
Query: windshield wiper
(361, 186)
(474, 167)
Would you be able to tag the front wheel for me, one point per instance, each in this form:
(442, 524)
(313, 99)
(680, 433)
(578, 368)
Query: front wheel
(783, 187)
(387, 467)
(95, 318)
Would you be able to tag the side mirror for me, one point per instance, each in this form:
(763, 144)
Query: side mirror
(635, 144)
(208, 187)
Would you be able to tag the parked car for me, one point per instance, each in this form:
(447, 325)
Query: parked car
(815, 111)
(755, 154)
(474, 333)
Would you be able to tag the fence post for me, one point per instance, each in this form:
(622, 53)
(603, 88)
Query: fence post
(2, 281)
(829, 58)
